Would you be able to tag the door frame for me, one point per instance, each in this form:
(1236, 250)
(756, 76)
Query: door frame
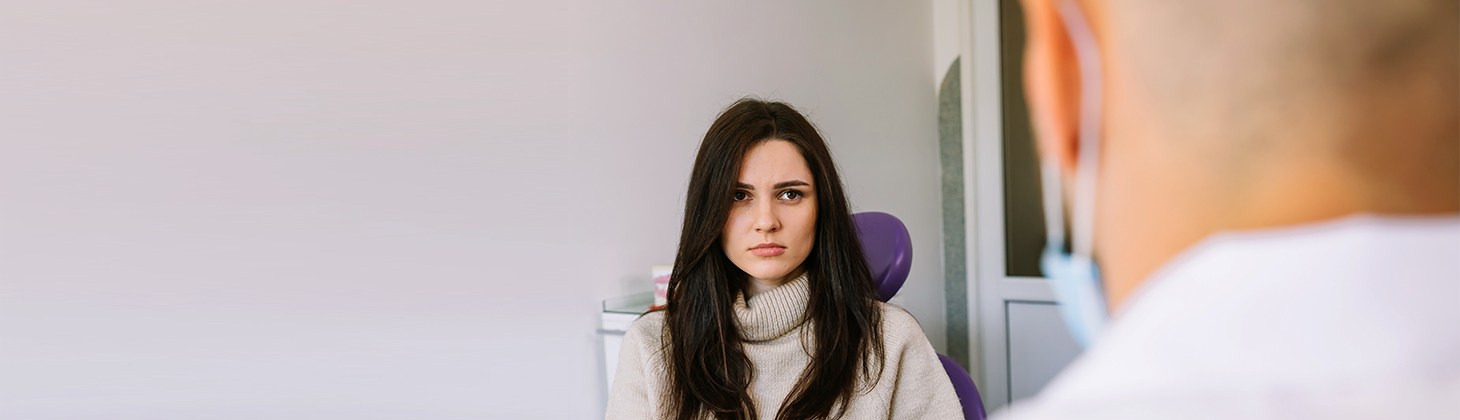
(983, 131)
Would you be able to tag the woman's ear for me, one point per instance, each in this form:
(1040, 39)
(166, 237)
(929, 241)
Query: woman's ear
(1051, 83)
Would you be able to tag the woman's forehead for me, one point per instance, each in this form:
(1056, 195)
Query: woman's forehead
(774, 161)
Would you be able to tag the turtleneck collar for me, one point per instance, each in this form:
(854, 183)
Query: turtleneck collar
(775, 313)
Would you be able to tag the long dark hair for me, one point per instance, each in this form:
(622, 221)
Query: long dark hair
(708, 369)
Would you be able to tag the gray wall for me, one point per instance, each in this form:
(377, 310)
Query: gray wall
(332, 209)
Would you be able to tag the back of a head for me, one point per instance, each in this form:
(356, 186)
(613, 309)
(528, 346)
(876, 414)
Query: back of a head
(1369, 87)
(1219, 115)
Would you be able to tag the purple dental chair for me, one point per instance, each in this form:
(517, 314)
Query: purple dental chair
(889, 254)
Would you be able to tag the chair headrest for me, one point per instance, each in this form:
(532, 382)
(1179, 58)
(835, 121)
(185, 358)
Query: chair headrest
(888, 247)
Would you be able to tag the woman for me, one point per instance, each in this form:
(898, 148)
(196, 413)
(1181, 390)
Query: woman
(772, 313)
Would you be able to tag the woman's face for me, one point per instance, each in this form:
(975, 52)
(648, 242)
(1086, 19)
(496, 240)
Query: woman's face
(772, 223)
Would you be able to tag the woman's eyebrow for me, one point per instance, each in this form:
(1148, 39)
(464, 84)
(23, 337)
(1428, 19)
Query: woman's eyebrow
(796, 183)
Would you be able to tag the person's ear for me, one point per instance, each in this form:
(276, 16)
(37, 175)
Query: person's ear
(1051, 83)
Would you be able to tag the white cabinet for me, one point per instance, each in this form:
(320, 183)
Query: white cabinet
(618, 313)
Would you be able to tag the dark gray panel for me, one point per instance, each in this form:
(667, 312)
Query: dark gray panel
(955, 265)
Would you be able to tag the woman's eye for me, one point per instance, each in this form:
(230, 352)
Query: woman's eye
(741, 196)
(790, 195)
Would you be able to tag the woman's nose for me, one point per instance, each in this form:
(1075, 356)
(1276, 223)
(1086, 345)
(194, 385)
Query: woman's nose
(765, 218)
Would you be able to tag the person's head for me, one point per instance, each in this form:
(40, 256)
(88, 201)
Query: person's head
(763, 175)
(1237, 114)
(772, 222)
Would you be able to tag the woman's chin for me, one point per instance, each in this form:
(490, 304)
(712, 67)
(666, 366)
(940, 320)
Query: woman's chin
(770, 273)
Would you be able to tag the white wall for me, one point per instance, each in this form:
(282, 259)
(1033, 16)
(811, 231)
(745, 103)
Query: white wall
(947, 35)
(388, 209)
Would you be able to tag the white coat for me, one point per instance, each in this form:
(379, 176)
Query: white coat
(1357, 318)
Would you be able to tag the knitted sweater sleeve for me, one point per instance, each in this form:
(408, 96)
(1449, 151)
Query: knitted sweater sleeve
(628, 397)
(922, 388)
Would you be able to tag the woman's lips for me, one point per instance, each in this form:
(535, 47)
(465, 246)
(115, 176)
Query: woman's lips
(768, 250)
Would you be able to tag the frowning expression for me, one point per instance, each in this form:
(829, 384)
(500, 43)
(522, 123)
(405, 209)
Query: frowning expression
(772, 224)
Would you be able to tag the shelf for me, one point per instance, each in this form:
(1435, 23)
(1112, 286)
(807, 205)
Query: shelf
(636, 303)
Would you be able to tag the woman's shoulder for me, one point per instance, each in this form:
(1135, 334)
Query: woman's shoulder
(648, 329)
(899, 326)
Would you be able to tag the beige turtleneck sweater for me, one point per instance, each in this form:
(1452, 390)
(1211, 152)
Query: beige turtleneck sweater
(913, 384)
